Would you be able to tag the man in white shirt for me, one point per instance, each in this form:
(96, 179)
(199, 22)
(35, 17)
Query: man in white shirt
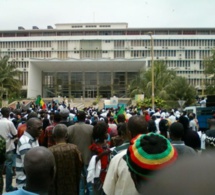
(9, 133)
(118, 179)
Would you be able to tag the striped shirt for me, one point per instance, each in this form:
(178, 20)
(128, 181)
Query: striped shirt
(26, 142)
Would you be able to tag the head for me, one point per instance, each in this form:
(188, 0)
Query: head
(34, 127)
(191, 116)
(57, 117)
(123, 131)
(5, 111)
(39, 167)
(100, 131)
(186, 177)
(184, 121)
(60, 132)
(121, 118)
(32, 115)
(137, 125)
(81, 116)
(147, 154)
(64, 113)
(176, 131)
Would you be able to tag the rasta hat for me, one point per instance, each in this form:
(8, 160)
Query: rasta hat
(148, 153)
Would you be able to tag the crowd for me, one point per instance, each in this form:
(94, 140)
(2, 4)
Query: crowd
(63, 150)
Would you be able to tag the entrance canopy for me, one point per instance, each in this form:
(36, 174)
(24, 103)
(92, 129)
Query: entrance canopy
(36, 67)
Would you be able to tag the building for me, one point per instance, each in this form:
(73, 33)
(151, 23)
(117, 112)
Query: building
(90, 59)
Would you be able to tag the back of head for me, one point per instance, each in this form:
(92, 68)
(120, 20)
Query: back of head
(100, 131)
(137, 125)
(176, 130)
(81, 116)
(5, 111)
(147, 154)
(184, 121)
(187, 176)
(57, 117)
(64, 112)
(32, 115)
(121, 118)
(60, 131)
(39, 166)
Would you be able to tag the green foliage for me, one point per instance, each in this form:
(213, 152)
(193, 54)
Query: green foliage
(167, 86)
(180, 89)
(147, 102)
(209, 70)
(9, 77)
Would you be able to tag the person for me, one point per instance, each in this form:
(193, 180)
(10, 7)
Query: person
(21, 129)
(202, 136)
(113, 127)
(2, 160)
(9, 133)
(190, 137)
(210, 136)
(152, 125)
(64, 113)
(27, 141)
(48, 137)
(164, 125)
(146, 155)
(176, 133)
(118, 180)
(186, 176)
(39, 172)
(68, 170)
(100, 148)
(203, 101)
(124, 134)
(80, 134)
(193, 122)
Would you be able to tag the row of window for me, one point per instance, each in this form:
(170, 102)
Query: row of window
(188, 54)
(117, 43)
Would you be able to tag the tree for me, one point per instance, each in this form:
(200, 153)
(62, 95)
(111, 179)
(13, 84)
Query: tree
(180, 89)
(167, 86)
(142, 83)
(9, 77)
(209, 69)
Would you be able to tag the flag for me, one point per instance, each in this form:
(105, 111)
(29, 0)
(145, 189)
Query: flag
(39, 101)
(121, 111)
(42, 104)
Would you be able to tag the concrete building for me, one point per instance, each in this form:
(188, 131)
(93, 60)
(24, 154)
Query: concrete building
(88, 59)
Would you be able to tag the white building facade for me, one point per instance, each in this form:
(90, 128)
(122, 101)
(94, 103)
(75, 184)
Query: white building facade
(101, 58)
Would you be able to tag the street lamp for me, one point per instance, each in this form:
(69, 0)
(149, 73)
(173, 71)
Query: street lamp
(152, 69)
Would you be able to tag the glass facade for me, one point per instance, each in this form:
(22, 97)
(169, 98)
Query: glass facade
(86, 84)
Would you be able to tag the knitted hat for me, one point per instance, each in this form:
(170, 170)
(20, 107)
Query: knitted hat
(148, 153)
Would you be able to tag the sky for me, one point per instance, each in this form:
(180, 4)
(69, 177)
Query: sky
(137, 13)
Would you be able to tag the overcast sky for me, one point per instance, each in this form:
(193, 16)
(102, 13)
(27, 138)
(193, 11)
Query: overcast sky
(137, 13)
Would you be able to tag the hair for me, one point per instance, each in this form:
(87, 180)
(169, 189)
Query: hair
(32, 115)
(111, 119)
(184, 121)
(137, 125)
(5, 112)
(100, 131)
(81, 116)
(122, 129)
(176, 130)
(121, 118)
(59, 131)
(57, 117)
